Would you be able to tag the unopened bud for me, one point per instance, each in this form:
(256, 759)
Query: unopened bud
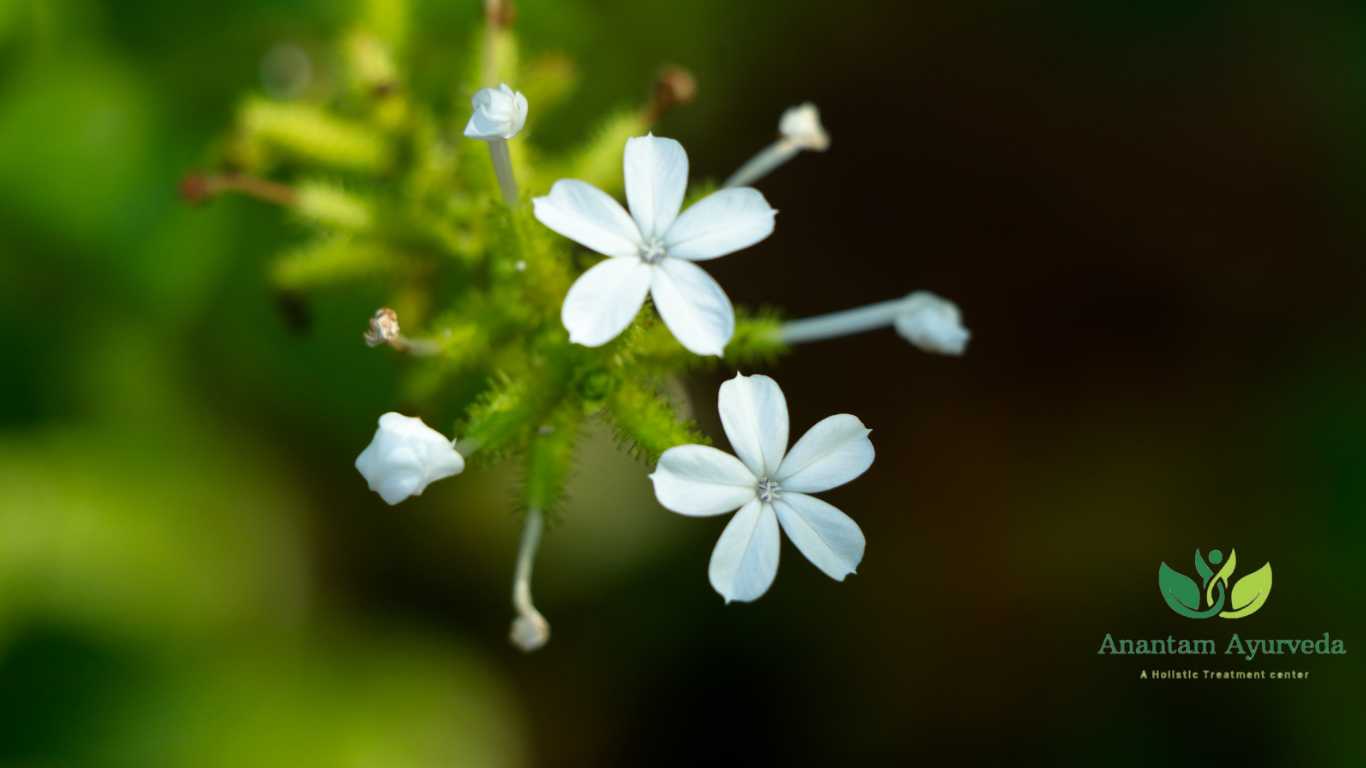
(500, 13)
(933, 324)
(675, 86)
(801, 125)
(530, 632)
(195, 189)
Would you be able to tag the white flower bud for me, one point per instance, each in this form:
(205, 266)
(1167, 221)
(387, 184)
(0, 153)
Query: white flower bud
(801, 125)
(406, 456)
(933, 324)
(499, 114)
(530, 632)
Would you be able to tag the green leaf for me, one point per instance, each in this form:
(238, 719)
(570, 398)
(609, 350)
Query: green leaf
(1179, 590)
(1201, 568)
(1223, 575)
(1249, 593)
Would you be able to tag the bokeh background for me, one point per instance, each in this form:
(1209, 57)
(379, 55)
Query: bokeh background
(1149, 213)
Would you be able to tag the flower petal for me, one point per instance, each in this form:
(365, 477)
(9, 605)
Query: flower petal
(604, 300)
(833, 452)
(754, 415)
(746, 556)
(656, 172)
(693, 305)
(828, 538)
(700, 480)
(588, 216)
(721, 223)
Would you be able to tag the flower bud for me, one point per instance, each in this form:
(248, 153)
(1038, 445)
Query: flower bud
(933, 324)
(499, 113)
(801, 125)
(530, 631)
(405, 456)
(500, 13)
(195, 189)
(673, 87)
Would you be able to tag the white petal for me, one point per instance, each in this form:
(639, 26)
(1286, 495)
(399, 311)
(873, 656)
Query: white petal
(588, 216)
(440, 458)
(721, 223)
(656, 172)
(693, 306)
(754, 415)
(746, 556)
(700, 480)
(398, 485)
(833, 452)
(828, 538)
(604, 300)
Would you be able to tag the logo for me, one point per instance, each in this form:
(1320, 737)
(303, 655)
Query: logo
(1222, 596)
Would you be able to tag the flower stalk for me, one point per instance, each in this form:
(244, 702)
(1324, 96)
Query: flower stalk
(197, 188)
(502, 168)
(846, 323)
(530, 631)
(498, 16)
(925, 320)
(763, 163)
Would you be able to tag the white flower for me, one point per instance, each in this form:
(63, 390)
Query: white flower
(499, 113)
(405, 456)
(933, 324)
(653, 249)
(801, 125)
(769, 485)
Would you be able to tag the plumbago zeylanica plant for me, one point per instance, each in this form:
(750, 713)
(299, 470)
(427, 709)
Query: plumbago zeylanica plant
(495, 250)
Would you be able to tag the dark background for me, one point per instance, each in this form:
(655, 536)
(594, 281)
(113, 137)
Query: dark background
(1148, 214)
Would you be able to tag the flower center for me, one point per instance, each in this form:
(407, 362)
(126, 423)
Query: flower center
(767, 490)
(653, 251)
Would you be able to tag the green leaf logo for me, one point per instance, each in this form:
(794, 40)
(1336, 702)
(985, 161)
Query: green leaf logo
(1249, 593)
(1216, 589)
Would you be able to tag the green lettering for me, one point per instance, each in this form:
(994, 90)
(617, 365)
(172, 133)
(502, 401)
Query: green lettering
(1107, 645)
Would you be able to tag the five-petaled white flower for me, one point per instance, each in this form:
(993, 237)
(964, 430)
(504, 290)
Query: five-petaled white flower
(769, 485)
(405, 456)
(653, 248)
(499, 113)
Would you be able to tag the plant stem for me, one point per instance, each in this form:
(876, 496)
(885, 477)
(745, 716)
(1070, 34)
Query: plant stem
(763, 163)
(199, 188)
(502, 167)
(530, 630)
(844, 323)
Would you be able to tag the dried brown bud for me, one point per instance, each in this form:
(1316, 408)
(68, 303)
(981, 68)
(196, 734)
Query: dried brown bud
(195, 188)
(673, 87)
(500, 13)
(383, 328)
